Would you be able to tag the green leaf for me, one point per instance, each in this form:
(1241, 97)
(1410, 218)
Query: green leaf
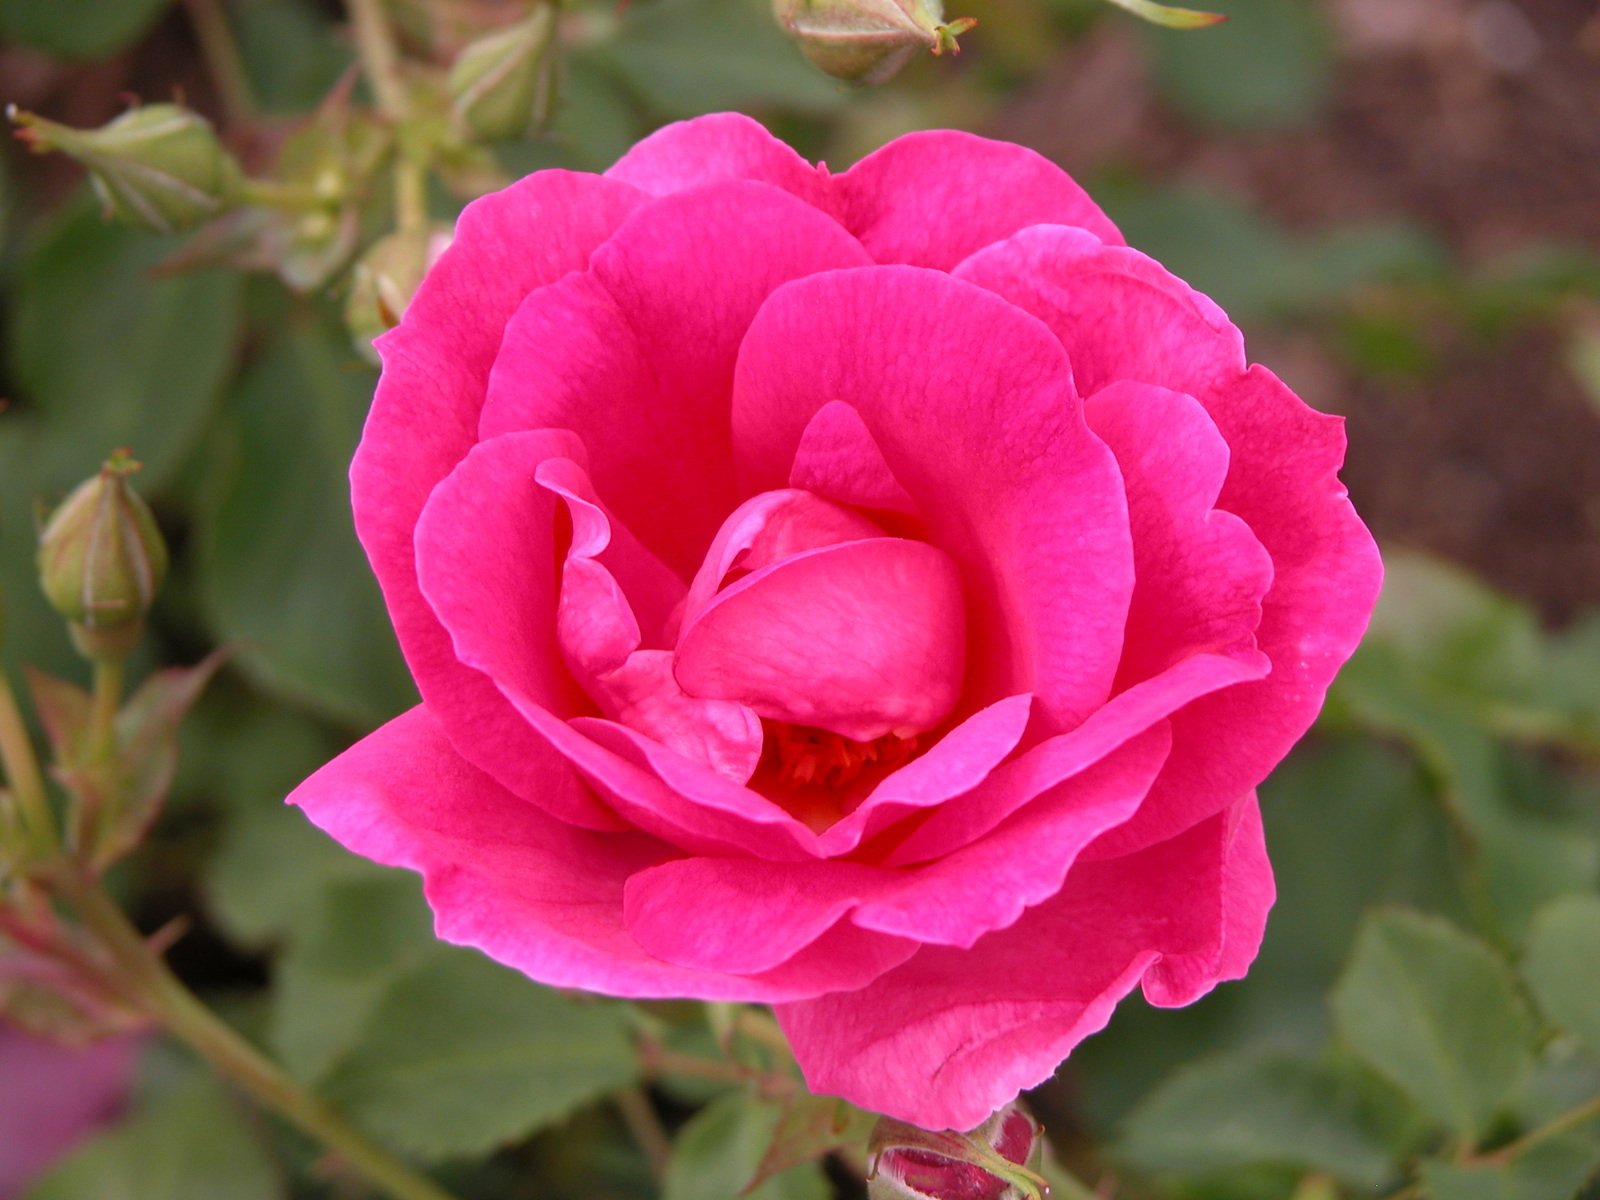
(1232, 1111)
(1562, 966)
(1437, 1012)
(1270, 66)
(686, 57)
(284, 577)
(293, 54)
(191, 1144)
(1552, 1170)
(719, 1151)
(78, 29)
(462, 1056)
(102, 354)
(1170, 15)
(354, 940)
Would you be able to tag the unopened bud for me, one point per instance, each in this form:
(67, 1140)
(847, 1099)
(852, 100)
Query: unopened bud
(867, 41)
(102, 559)
(503, 85)
(996, 1161)
(159, 166)
(386, 277)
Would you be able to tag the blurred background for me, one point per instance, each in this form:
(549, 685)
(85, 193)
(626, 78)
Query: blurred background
(1398, 200)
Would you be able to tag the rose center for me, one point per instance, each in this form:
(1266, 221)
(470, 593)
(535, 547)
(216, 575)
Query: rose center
(804, 756)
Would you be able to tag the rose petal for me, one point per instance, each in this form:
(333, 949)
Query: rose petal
(536, 894)
(1120, 314)
(837, 458)
(425, 415)
(743, 916)
(1199, 572)
(718, 147)
(970, 401)
(952, 1035)
(932, 198)
(636, 356)
(863, 638)
(1283, 481)
(478, 558)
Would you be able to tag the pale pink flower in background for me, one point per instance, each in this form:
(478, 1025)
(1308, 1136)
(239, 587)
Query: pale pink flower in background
(877, 595)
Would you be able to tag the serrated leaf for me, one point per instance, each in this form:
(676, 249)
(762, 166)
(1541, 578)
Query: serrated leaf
(191, 1144)
(284, 577)
(462, 1056)
(718, 1152)
(1170, 15)
(1231, 1111)
(1562, 966)
(1437, 1012)
(1552, 1170)
(355, 939)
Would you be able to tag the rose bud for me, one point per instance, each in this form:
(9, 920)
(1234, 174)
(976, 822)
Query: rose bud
(385, 279)
(159, 166)
(996, 1161)
(102, 559)
(867, 41)
(503, 85)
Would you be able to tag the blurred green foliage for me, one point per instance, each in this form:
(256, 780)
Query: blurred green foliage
(1429, 990)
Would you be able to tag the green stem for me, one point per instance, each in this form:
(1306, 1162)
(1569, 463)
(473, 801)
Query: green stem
(191, 1022)
(1588, 1111)
(380, 56)
(289, 197)
(410, 194)
(22, 769)
(223, 60)
(103, 709)
(639, 1115)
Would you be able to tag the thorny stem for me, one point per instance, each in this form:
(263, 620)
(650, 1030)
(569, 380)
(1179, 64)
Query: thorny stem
(148, 980)
(22, 769)
(223, 60)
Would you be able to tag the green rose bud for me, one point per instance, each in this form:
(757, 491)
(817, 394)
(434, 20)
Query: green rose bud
(503, 85)
(102, 559)
(386, 277)
(867, 41)
(159, 166)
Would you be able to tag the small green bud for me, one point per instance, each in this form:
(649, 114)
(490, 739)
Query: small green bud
(867, 41)
(386, 277)
(102, 559)
(159, 166)
(503, 85)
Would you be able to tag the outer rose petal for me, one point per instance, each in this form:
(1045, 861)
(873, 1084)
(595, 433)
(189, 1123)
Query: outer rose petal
(970, 401)
(718, 147)
(930, 199)
(425, 418)
(533, 893)
(1284, 482)
(1120, 314)
(953, 1035)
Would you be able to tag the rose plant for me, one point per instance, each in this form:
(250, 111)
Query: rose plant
(875, 594)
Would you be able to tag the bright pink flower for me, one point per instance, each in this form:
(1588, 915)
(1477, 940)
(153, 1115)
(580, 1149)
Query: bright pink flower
(873, 594)
(52, 1097)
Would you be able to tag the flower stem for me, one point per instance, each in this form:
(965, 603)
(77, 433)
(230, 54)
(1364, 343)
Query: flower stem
(639, 1115)
(1588, 1111)
(22, 769)
(183, 1015)
(103, 711)
(380, 56)
(222, 57)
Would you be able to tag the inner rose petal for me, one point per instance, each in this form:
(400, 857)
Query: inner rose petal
(862, 638)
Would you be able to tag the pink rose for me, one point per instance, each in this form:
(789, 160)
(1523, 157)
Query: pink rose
(52, 1097)
(874, 594)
